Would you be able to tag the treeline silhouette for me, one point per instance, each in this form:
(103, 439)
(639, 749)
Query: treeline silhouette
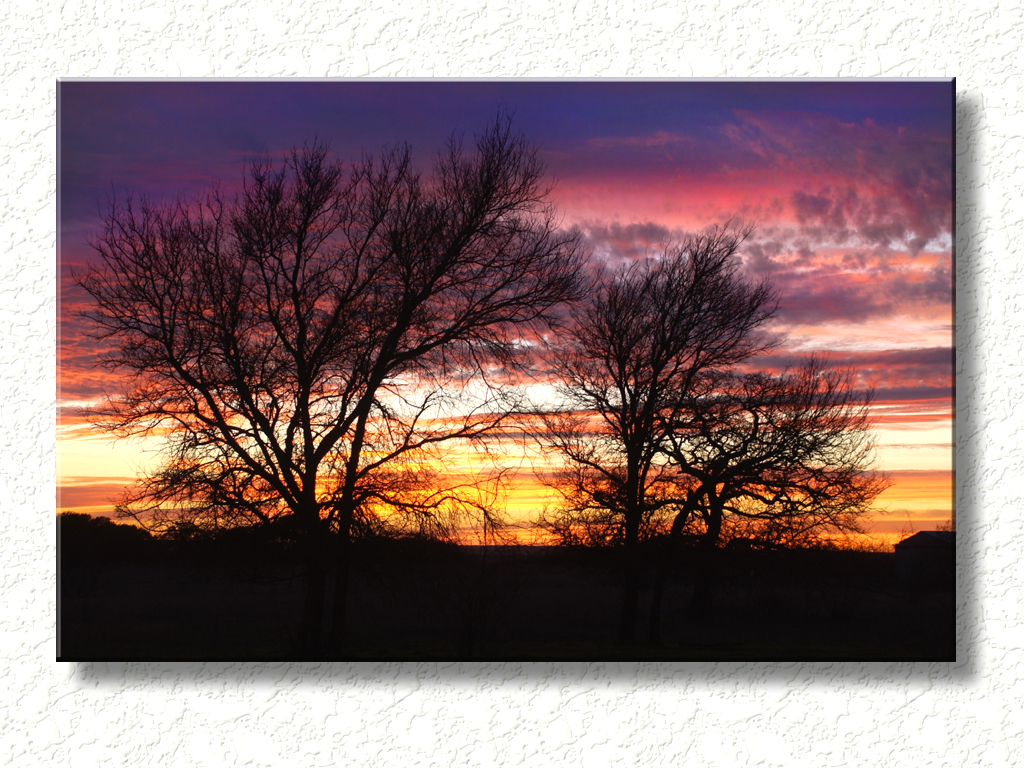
(84, 539)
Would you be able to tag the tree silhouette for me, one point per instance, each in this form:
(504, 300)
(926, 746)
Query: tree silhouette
(301, 345)
(786, 457)
(650, 332)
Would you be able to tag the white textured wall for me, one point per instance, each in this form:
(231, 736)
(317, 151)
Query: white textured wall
(967, 713)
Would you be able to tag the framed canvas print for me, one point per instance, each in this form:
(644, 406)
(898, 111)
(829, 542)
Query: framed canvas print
(567, 370)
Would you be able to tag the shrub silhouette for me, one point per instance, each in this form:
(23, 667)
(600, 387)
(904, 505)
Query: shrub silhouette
(86, 539)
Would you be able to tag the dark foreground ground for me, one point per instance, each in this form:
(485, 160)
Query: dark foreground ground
(419, 602)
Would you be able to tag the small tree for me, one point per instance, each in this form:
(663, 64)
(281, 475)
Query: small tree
(792, 452)
(650, 331)
(788, 458)
(323, 329)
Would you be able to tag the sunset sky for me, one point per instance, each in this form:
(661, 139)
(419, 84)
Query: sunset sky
(849, 184)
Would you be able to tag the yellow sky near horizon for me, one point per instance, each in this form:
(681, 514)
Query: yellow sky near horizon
(94, 470)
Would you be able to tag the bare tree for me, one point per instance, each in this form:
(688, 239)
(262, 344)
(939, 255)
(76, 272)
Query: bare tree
(591, 484)
(325, 327)
(650, 332)
(786, 458)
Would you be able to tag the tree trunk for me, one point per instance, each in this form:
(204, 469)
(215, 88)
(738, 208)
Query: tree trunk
(701, 602)
(342, 551)
(311, 631)
(664, 554)
(631, 582)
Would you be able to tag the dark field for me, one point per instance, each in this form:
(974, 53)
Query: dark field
(418, 601)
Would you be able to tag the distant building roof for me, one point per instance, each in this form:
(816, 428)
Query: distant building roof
(930, 539)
